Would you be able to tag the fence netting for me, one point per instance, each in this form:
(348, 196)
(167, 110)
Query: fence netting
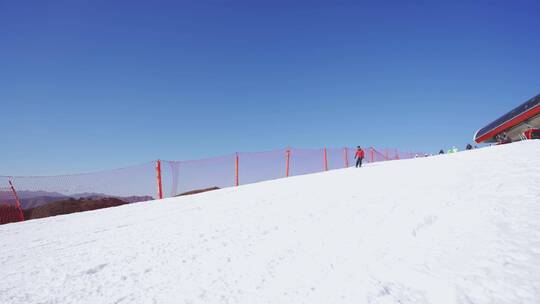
(28, 197)
(10, 209)
(179, 177)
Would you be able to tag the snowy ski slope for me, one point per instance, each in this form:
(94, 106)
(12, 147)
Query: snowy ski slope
(462, 228)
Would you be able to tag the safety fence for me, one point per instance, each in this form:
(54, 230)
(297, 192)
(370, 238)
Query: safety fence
(28, 197)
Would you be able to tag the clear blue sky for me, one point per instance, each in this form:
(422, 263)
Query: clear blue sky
(89, 85)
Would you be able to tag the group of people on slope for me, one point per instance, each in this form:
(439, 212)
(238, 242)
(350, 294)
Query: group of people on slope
(450, 151)
(454, 149)
(359, 155)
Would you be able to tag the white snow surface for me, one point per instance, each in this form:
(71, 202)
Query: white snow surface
(461, 228)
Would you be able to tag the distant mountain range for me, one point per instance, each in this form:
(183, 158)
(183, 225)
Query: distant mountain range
(71, 205)
(32, 199)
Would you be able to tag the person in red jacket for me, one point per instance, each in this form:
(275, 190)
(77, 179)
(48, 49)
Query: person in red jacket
(359, 156)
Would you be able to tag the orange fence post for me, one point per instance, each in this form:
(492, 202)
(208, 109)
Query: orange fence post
(325, 160)
(288, 156)
(158, 177)
(236, 183)
(17, 201)
(372, 152)
(346, 154)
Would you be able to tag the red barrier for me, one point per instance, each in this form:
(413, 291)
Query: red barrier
(325, 160)
(171, 178)
(17, 201)
(158, 177)
(287, 159)
(346, 156)
(10, 206)
(236, 181)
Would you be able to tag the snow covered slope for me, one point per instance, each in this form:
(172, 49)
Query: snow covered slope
(462, 228)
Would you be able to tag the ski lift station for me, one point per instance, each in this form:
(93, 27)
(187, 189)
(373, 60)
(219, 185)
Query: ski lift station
(521, 123)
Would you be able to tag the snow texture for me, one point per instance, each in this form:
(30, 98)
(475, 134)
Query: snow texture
(461, 228)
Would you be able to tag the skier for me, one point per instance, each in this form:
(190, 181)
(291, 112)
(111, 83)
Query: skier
(441, 151)
(359, 156)
(469, 147)
(453, 150)
(505, 138)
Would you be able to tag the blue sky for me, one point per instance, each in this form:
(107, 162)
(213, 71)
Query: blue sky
(89, 85)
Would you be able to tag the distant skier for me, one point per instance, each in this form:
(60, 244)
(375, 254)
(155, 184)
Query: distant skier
(503, 138)
(359, 156)
(441, 151)
(453, 150)
(469, 147)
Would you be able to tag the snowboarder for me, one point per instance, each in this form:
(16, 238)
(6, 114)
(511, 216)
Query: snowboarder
(359, 156)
